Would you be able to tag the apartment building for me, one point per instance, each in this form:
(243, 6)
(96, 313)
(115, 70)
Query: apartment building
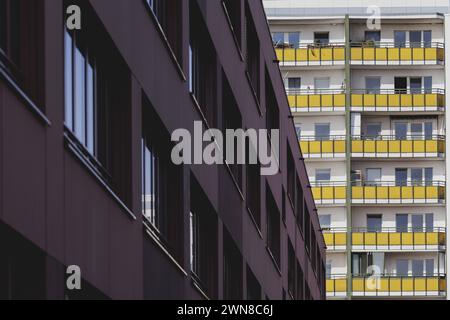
(87, 179)
(366, 83)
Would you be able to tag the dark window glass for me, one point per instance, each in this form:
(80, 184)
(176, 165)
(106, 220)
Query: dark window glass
(253, 53)
(202, 66)
(162, 183)
(203, 240)
(97, 99)
(253, 286)
(232, 119)
(291, 269)
(21, 45)
(169, 16)
(321, 38)
(253, 177)
(299, 293)
(233, 8)
(232, 269)
(273, 226)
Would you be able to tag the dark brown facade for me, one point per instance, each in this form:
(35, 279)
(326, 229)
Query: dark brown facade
(86, 177)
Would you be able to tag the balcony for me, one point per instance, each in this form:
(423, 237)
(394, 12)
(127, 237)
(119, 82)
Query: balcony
(336, 286)
(330, 193)
(386, 239)
(399, 239)
(335, 239)
(312, 55)
(316, 100)
(411, 146)
(382, 192)
(317, 147)
(386, 100)
(384, 53)
(388, 286)
(398, 286)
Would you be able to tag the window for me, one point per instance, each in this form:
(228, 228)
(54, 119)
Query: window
(415, 85)
(298, 131)
(325, 221)
(233, 9)
(373, 85)
(417, 222)
(253, 177)
(399, 39)
(427, 38)
(203, 240)
(97, 103)
(202, 66)
(373, 176)
(401, 131)
(232, 119)
(273, 226)
(401, 222)
(294, 40)
(253, 286)
(21, 45)
(294, 83)
(322, 131)
(428, 85)
(328, 269)
(291, 269)
(429, 267)
(417, 268)
(323, 175)
(232, 269)
(402, 267)
(415, 39)
(321, 38)
(373, 131)
(169, 16)
(290, 176)
(307, 229)
(321, 85)
(429, 222)
(162, 184)
(401, 177)
(299, 205)
(253, 53)
(300, 290)
(272, 109)
(278, 39)
(374, 222)
(401, 85)
(373, 37)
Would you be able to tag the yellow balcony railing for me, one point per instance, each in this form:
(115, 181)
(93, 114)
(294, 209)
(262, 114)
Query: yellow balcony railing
(327, 147)
(388, 285)
(399, 239)
(391, 54)
(397, 286)
(379, 192)
(398, 100)
(329, 192)
(335, 238)
(410, 146)
(312, 55)
(336, 286)
(316, 100)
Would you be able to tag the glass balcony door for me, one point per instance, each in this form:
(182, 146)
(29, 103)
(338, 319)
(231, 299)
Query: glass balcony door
(399, 39)
(401, 222)
(374, 222)
(373, 85)
(322, 131)
(401, 177)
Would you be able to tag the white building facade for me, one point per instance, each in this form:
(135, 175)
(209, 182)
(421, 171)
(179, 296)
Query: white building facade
(366, 82)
